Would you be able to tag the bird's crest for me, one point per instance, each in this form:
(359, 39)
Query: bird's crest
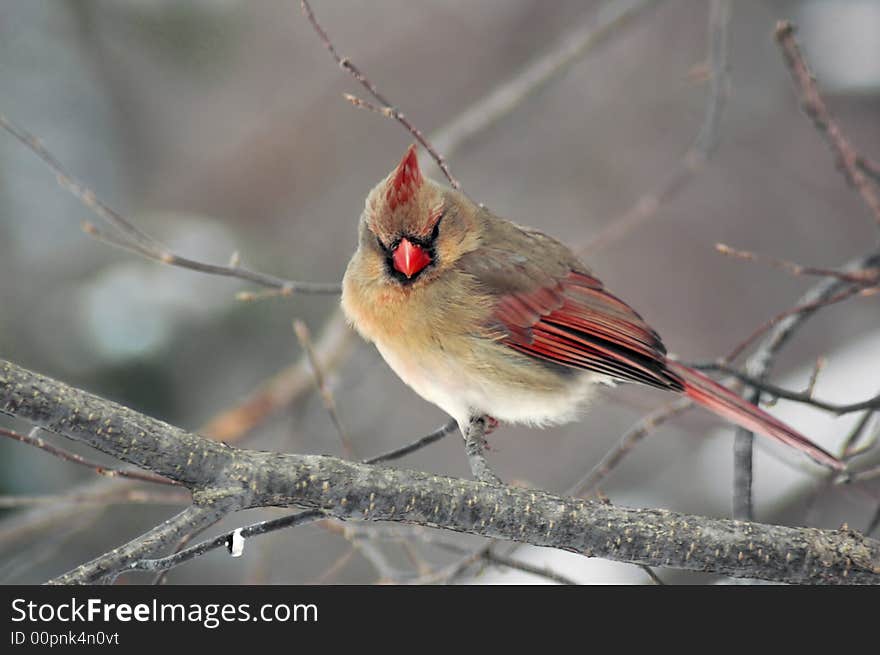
(405, 181)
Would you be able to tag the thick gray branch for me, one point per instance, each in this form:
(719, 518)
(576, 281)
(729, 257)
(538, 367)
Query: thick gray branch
(236, 479)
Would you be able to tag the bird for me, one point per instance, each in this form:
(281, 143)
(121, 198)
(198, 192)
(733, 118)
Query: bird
(490, 320)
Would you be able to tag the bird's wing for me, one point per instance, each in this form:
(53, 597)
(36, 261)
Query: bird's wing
(548, 305)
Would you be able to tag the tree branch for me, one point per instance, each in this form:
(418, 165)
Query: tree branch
(815, 107)
(35, 441)
(187, 554)
(702, 150)
(107, 566)
(129, 237)
(225, 479)
(347, 64)
(761, 361)
(537, 74)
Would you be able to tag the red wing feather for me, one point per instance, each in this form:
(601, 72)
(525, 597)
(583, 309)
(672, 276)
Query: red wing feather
(577, 323)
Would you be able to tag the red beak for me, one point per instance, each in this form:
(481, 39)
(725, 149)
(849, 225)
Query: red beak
(410, 258)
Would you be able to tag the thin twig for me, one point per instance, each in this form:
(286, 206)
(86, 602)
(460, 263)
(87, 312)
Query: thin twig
(337, 566)
(866, 277)
(492, 557)
(346, 64)
(656, 579)
(33, 440)
(120, 497)
(780, 330)
(263, 527)
(849, 448)
(305, 341)
(330, 351)
(386, 573)
(132, 239)
(803, 397)
(418, 444)
(419, 565)
(538, 74)
(821, 363)
(863, 476)
(703, 148)
(37, 554)
(868, 167)
(162, 576)
(801, 309)
(107, 567)
(814, 106)
(82, 193)
(588, 484)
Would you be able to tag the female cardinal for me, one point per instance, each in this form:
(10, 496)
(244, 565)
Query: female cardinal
(485, 318)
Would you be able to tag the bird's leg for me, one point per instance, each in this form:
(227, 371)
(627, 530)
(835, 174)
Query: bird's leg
(474, 433)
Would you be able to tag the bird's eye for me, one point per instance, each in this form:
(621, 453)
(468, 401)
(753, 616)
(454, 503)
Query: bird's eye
(436, 231)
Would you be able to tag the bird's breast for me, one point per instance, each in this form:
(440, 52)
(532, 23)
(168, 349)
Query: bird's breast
(435, 337)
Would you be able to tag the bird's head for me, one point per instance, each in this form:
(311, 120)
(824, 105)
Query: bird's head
(416, 227)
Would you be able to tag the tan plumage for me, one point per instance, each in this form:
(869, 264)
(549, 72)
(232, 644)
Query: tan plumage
(483, 317)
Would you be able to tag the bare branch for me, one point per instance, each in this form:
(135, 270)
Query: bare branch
(107, 566)
(538, 74)
(428, 439)
(814, 106)
(867, 277)
(781, 328)
(33, 440)
(226, 479)
(705, 145)
(162, 576)
(114, 497)
(491, 557)
(851, 447)
(82, 193)
(388, 108)
(187, 554)
(132, 239)
(870, 168)
(330, 351)
(305, 340)
(631, 438)
(802, 309)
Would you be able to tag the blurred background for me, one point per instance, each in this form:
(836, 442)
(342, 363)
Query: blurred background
(219, 126)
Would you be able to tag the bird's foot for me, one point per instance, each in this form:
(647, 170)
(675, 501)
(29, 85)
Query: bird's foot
(474, 434)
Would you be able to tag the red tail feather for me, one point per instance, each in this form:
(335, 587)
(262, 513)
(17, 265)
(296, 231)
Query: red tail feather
(711, 395)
